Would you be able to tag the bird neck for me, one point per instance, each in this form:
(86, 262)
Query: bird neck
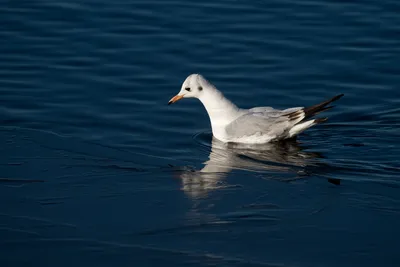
(220, 110)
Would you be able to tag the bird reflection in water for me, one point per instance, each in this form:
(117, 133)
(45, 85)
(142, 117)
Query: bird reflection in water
(267, 160)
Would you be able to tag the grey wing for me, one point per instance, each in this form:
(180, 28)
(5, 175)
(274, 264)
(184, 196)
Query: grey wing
(272, 110)
(264, 121)
(269, 121)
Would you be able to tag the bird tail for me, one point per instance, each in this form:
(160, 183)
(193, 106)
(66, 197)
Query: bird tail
(302, 116)
(318, 108)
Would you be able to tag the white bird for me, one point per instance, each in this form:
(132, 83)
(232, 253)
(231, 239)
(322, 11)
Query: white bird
(257, 125)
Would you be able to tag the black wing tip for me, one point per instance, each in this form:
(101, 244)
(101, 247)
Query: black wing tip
(320, 120)
(333, 99)
(337, 97)
(295, 115)
(313, 110)
(323, 106)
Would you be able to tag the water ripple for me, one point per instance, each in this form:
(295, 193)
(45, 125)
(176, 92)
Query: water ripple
(84, 88)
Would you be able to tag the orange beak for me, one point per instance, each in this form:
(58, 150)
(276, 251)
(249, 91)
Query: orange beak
(175, 98)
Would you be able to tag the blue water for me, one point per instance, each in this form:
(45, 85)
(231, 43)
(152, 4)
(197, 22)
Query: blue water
(97, 170)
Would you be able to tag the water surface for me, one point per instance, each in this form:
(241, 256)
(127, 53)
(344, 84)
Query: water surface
(97, 170)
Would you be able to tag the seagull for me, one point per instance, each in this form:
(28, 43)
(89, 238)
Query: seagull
(258, 125)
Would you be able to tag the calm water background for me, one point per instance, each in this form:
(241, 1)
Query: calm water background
(96, 169)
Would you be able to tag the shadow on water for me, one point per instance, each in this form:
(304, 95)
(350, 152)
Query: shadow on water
(281, 157)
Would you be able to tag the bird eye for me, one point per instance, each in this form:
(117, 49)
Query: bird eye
(200, 88)
(187, 89)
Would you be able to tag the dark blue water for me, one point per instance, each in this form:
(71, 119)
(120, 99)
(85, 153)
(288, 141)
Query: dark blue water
(97, 170)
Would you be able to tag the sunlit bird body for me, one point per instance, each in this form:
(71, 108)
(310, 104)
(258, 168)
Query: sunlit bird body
(257, 125)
